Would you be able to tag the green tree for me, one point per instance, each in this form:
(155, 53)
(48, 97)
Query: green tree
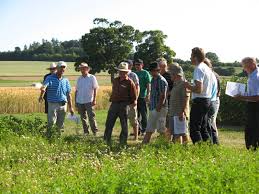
(107, 44)
(213, 57)
(153, 46)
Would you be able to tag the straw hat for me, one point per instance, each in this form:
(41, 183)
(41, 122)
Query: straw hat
(123, 66)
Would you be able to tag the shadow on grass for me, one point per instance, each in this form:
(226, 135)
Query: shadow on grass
(231, 128)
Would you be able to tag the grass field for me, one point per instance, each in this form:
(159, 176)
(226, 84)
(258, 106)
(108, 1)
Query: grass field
(78, 164)
(24, 73)
(74, 163)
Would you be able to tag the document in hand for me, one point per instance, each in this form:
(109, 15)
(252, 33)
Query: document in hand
(74, 118)
(180, 127)
(233, 89)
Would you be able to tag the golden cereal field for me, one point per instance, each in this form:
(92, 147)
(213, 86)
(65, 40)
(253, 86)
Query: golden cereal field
(25, 99)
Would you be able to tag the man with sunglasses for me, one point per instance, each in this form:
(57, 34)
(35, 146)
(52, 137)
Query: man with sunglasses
(144, 94)
(59, 95)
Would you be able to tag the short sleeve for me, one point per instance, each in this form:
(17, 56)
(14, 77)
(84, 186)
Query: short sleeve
(184, 91)
(77, 82)
(68, 86)
(95, 83)
(198, 75)
(46, 82)
(163, 87)
(136, 80)
(148, 78)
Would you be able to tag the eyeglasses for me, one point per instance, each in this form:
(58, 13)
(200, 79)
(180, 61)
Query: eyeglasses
(137, 64)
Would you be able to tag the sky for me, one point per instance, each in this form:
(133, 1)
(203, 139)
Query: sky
(230, 28)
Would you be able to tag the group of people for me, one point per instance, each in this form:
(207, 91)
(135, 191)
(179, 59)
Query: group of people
(163, 89)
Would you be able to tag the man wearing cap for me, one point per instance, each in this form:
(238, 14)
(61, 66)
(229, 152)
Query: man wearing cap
(144, 94)
(53, 69)
(133, 112)
(86, 91)
(158, 103)
(123, 94)
(59, 95)
(179, 104)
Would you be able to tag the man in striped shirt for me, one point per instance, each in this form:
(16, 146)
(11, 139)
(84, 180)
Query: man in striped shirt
(158, 103)
(59, 95)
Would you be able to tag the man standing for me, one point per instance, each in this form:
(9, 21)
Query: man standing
(164, 72)
(144, 94)
(201, 96)
(59, 95)
(252, 99)
(86, 91)
(133, 112)
(123, 94)
(158, 103)
(53, 69)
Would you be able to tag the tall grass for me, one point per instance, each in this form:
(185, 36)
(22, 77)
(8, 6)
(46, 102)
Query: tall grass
(25, 99)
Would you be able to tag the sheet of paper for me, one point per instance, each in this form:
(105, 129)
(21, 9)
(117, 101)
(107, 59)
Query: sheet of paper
(233, 89)
(74, 118)
(180, 127)
(37, 85)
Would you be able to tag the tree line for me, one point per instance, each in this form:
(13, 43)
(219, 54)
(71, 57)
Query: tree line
(53, 50)
(106, 44)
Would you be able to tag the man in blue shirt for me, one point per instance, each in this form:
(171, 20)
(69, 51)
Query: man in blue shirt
(252, 126)
(158, 103)
(58, 96)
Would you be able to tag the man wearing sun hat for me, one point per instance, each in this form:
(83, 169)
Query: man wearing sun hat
(123, 94)
(86, 91)
(59, 96)
(52, 68)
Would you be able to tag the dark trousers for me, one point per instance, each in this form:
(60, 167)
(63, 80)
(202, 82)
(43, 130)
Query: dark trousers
(117, 109)
(46, 106)
(199, 120)
(142, 114)
(252, 126)
(211, 129)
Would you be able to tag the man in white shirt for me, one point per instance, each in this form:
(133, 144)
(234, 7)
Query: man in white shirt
(86, 91)
(201, 96)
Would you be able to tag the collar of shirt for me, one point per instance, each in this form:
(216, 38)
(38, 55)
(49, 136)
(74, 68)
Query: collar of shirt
(55, 75)
(88, 75)
(254, 73)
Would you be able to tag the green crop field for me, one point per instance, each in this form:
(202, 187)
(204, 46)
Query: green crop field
(30, 163)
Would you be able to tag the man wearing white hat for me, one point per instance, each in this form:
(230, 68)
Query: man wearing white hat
(59, 95)
(53, 69)
(86, 91)
(123, 94)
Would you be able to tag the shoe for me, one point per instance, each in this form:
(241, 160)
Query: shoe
(86, 133)
(132, 134)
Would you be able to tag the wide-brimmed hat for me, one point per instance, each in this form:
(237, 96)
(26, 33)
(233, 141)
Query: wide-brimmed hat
(52, 66)
(84, 65)
(61, 64)
(123, 66)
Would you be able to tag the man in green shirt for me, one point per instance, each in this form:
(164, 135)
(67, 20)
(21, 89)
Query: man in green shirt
(144, 95)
